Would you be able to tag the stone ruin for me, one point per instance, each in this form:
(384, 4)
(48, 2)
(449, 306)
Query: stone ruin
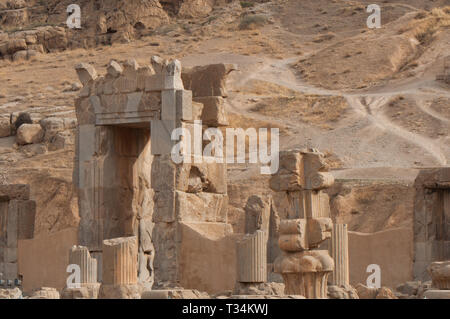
(431, 220)
(135, 202)
(17, 215)
(143, 217)
(440, 275)
(304, 266)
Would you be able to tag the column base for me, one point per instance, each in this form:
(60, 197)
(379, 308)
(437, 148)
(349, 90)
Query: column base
(86, 291)
(120, 292)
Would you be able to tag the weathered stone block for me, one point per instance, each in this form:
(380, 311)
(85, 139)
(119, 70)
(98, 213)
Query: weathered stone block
(169, 176)
(169, 105)
(214, 113)
(85, 72)
(319, 229)
(86, 291)
(29, 134)
(213, 175)
(114, 69)
(285, 181)
(440, 274)
(161, 132)
(184, 109)
(161, 82)
(309, 204)
(14, 191)
(124, 84)
(292, 226)
(142, 74)
(208, 80)
(201, 207)
(166, 255)
(293, 242)
(27, 214)
(316, 204)
(45, 293)
(437, 294)
(319, 180)
(164, 206)
(85, 111)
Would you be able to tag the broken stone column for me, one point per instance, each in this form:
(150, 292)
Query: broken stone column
(88, 286)
(120, 257)
(80, 256)
(17, 215)
(440, 276)
(252, 258)
(253, 249)
(305, 268)
(120, 261)
(339, 252)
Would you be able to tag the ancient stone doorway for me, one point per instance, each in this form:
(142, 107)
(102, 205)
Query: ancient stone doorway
(431, 220)
(128, 184)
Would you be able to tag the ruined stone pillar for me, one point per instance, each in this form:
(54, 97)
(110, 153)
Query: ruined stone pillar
(88, 287)
(303, 176)
(80, 256)
(120, 261)
(440, 274)
(252, 258)
(17, 215)
(339, 252)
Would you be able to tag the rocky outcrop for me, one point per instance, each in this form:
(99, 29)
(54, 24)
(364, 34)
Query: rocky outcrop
(102, 22)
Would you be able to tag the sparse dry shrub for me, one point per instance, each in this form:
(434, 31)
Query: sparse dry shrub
(428, 24)
(247, 4)
(250, 22)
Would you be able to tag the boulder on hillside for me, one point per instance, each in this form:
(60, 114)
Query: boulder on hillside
(29, 134)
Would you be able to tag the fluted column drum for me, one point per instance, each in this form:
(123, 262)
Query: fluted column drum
(120, 261)
(252, 258)
(339, 252)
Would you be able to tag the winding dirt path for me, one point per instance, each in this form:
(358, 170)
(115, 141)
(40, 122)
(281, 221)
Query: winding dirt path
(366, 105)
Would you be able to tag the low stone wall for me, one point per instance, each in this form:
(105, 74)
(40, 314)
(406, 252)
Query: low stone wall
(207, 256)
(42, 261)
(392, 250)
